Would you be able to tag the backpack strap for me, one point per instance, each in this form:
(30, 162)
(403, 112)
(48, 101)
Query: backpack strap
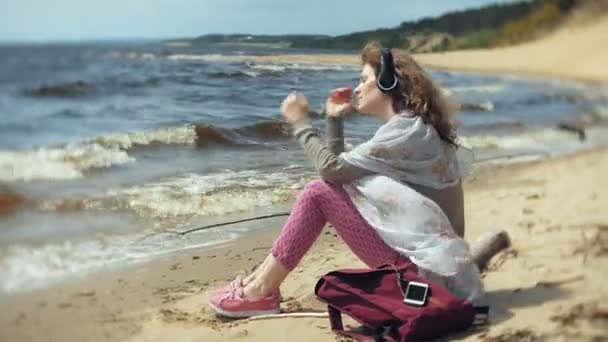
(379, 335)
(335, 318)
(482, 315)
(382, 333)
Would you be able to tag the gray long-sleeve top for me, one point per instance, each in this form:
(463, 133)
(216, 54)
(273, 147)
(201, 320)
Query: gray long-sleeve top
(326, 157)
(334, 169)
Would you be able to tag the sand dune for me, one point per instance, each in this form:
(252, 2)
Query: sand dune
(577, 52)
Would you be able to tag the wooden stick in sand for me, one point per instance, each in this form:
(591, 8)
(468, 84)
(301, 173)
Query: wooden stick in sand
(488, 245)
(231, 222)
(181, 233)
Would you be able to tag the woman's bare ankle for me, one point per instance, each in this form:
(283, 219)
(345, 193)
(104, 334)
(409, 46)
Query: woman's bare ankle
(258, 289)
(248, 279)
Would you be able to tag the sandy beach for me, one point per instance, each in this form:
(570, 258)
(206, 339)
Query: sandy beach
(550, 284)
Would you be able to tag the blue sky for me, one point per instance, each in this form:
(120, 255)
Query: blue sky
(42, 20)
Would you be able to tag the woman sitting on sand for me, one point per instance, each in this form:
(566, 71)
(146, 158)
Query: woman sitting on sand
(396, 197)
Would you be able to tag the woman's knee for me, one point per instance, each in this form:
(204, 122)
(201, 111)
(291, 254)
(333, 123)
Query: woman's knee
(316, 187)
(322, 194)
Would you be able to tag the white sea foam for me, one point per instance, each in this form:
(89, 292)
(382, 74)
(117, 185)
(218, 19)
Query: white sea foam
(203, 196)
(280, 67)
(487, 88)
(131, 55)
(204, 57)
(486, 106)
(70, 161)
(65, 162)
(182, 135)
(25, 267)
(602, 111)
(269, 67)
(547, 141)
(524, 140)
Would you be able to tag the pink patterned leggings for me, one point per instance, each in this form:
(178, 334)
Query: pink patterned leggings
(319, 203)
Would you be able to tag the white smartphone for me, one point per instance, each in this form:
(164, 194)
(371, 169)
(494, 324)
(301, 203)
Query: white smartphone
(416, 293)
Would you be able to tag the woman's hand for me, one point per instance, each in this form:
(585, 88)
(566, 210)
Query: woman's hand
(340, 102)
(295, 108)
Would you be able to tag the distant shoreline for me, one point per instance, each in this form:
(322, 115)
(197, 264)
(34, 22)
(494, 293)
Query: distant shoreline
(562, 55)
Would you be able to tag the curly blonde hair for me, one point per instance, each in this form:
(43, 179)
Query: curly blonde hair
(416, 92)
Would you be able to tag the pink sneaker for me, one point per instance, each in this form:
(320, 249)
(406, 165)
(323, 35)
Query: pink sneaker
(232, 304)
(235, 284)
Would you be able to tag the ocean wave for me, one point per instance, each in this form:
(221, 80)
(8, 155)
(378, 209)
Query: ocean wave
(234, 74)
(545, 140)
(258, 64)
(601, 111)
(10, 202)
(75, 89)
(208, 135)
(251, 135)
(267, 130)
(152, 81)
(255, 70)
(67, 162)
(83, 89)
(500, 125)
(203, 57)
(68, 114)
(542, 99)
(269, 67)
(26, 267)
(522, 147)
(281, 67)
(486, 106)
(202, 195)
(202, 135)
(181, 135)
(487, 88)
(131, 55)
(72, 160)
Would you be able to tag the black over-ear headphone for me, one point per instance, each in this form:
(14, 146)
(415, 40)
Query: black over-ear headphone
(387, 79)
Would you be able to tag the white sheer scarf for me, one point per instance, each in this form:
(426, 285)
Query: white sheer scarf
(406, 150)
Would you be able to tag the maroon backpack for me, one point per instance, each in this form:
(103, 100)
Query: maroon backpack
(375, 299)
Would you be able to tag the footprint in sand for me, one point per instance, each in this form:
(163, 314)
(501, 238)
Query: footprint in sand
(174, 315)
(513, 335)
(591, 312)
(594, 244)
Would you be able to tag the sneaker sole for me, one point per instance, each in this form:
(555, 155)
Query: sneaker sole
(244, 314)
